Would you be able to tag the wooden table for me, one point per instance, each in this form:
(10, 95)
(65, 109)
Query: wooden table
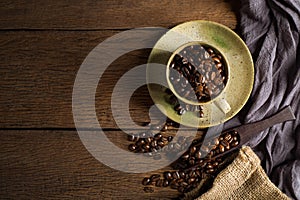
(43, 44)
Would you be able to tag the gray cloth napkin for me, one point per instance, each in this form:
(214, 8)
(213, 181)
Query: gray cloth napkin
(270, 29)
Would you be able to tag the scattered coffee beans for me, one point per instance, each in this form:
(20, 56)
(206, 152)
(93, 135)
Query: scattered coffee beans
(153, 143)
(197, 161)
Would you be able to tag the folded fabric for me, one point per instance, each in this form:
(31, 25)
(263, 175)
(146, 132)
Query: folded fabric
(245, 179)
(271, 30)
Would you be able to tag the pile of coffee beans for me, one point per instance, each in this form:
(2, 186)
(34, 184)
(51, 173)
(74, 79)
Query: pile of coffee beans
(199, 154)
(153, 141)
(197, 162)
(198, 73)
(152, 145)
(181, 180)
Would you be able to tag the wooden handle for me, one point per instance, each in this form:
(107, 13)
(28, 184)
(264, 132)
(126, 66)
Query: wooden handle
(250, 130)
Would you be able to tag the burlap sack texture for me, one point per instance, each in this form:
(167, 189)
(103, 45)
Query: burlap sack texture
(244, 178)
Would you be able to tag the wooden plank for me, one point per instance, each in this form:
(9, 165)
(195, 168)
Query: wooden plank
(38, 73)
(38, 70)
(110, 14)
(55, 165)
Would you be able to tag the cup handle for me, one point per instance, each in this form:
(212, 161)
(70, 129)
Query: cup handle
(223, 105)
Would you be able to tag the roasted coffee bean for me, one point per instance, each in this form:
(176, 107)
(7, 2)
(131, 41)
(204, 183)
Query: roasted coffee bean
(140, 142)
(209, 166)
(165, 183)
(183, 184)
(153, 143)
(193, 149)
(191, 162)
(159, 183)
(155, 177)
(163, 139)
(205, 149)
(198, 154)
(201, 114)
(228, 137)
(210, 171)
(216, 59)
(176, 175)
(173, 100)
(158, 136)
(198, 173)
(184, 61)
(235, 143)
(146, 181)
(181, 111)
(132, 147)
(210, 51)
(185, 156)
(225, 144)
(192, 174)
(165, 127)
(161, 143)
(148, 189)
(182, 174)
(235, 138)
(170, 138)
(143, 135)
(148, 140)
(181, 189)
(230, 140)
(211, 154)
(158, 148)
(174, 185)
(168, 175)
(156, 126)
(153, 149)
(221, 148)
(131, 138)
(215, 164)
(177, 107)
(191, 180)
(146, 146)
(168, 91)
(152, 183)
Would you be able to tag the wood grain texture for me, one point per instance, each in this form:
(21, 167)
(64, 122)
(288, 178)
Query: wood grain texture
(43, 44)
(38, 71)
(110, 14)
(56, 165)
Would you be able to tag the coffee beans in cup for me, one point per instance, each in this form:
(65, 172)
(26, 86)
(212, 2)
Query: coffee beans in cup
(198, 73)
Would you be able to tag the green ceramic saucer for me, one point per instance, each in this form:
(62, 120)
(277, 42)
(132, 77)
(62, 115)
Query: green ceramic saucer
(239, 59)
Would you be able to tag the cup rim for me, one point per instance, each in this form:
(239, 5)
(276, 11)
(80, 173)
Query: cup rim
(171, 85)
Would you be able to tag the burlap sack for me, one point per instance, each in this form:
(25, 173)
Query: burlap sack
(245, 179)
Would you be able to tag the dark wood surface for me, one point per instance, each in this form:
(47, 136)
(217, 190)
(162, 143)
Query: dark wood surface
(43, 45)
